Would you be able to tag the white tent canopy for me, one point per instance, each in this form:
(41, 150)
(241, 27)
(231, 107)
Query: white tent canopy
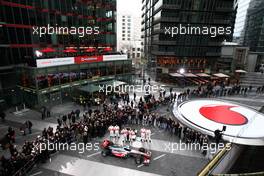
(221, 75)
(189, 75)
(176, 75)
(202, 75)
(241, 71)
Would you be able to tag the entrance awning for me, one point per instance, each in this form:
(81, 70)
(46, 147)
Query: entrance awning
(90, 88)
(221, 75)
(113, 83)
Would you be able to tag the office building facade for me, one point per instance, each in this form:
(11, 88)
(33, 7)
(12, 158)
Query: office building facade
(129, 36)
(194, 53)
(254, 27)
(239, 30)
(46, 44)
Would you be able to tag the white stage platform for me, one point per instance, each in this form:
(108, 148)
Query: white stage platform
(244, 125)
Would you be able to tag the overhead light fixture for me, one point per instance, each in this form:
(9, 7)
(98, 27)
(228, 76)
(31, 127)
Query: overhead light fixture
(38, 53)
(182, 71)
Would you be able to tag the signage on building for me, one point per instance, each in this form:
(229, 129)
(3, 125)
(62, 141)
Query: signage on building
(54, 62)
(87, 59)
(41, 63)
(114, 57)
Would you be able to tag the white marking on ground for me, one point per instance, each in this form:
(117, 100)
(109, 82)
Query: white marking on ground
(88, 156)
(158, 157)
(75, 166)
(37, 173)
(140, 165)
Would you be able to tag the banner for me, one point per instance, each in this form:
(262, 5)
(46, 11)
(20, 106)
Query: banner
(87, 59)
(114, 57)
(41, 63)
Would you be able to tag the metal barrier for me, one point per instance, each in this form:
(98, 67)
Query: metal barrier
(207, 169)
(26, 167)
(246, 174)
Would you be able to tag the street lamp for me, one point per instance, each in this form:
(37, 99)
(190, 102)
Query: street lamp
(182, 71)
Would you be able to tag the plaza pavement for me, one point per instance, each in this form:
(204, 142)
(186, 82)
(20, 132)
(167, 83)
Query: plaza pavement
(180, 163)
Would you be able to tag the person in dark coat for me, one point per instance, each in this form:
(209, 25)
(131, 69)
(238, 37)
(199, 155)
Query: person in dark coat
(73, 119)
(2, 115)
(29, 126)
(64, 119)
(59, 122)
(77, 112)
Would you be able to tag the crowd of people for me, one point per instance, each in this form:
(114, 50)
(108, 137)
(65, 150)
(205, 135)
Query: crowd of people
(260, 90)
(214, 90)
(92, 124)
(116, 115)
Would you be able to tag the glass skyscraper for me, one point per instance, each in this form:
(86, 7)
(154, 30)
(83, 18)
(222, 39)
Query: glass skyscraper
(195, 53)
(254, 27)
(43, 69)
(240, 20)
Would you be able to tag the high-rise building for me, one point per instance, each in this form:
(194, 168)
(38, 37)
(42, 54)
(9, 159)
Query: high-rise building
(129, 35)
(254, 27)
(195, 52)
(48, 48)
(240, 20)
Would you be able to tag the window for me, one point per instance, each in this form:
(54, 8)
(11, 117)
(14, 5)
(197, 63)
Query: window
(123, 39)
(138, 54)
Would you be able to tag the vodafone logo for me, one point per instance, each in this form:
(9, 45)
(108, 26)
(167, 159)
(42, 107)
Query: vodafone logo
(244, 125)
(223, 114)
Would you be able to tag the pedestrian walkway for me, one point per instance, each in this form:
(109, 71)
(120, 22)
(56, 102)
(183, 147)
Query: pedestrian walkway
(32, 116)
(75, 166)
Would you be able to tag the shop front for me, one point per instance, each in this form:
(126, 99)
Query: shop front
(54, 82)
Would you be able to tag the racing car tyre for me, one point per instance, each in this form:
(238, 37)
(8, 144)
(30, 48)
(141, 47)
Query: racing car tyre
(104, 153)
(139, 159)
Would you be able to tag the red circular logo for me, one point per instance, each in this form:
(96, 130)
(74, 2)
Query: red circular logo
(223, 114)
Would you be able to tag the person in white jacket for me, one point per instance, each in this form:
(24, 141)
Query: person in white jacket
(131, 135)
(148, 135)
(117, 129)
(124, 133)
(143, 134)
(112, 132)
